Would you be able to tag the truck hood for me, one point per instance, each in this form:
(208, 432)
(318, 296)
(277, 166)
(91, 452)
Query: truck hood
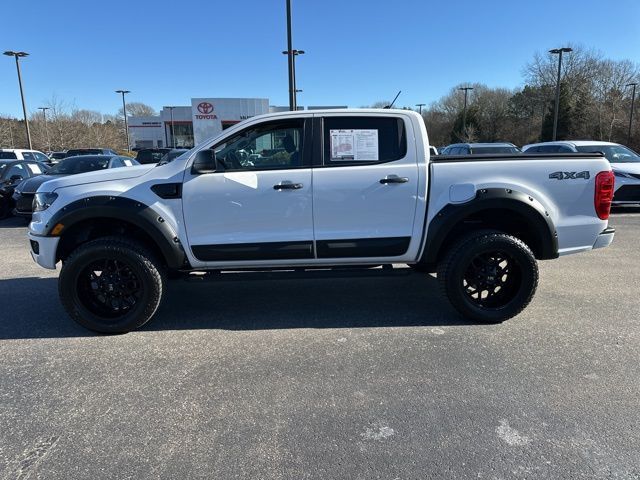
(627, 167)
(60, 181)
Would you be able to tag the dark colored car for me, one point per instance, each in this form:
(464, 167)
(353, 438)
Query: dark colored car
(74, 152)
(24, 192)
(57, 156)
(151, 155)
(13, 172)
(479, 148)
(172, 154)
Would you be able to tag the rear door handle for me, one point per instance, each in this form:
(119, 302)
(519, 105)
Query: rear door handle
(393, 179)
(288, 186)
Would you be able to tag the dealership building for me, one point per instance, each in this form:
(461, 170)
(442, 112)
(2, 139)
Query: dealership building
(186, 126)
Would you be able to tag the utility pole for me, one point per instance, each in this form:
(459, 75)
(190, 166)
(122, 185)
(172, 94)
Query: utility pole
(559, 52)
(17, 56)
(126, 123)
(633, 101)
(420, 105)
(173, 138)
(295, 88)
(464, 111)
(46, 128)
(290, 55)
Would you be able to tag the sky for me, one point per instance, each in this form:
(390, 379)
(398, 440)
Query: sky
(357, 51)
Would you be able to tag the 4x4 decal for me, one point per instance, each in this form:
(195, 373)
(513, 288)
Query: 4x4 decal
(570, 175)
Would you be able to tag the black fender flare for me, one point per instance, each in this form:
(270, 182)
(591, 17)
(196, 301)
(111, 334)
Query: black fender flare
(523, 204)
(125, 209)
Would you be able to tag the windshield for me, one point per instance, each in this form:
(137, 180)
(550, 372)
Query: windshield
(84, 151)
(505, 149)
(73, 165)
(613, 153)
(171, 156)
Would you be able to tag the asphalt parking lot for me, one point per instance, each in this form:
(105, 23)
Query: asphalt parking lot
(348, 378)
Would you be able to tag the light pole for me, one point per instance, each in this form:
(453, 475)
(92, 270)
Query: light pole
(559, 52)
(464, 111)
(420, 105)
(46, 128)
(17, 56)
(126, 123)
(633, 101)
(292, 93)
(293, 55)
(173, 138)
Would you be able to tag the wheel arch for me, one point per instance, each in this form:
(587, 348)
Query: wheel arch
(94, 217)
(505, 210)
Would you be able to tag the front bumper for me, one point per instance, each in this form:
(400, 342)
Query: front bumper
(43, 250)
(605, 238)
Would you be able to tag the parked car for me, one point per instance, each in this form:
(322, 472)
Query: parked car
(171, 155)
(151, 155)
(479, 148)
(25, 191)
(368, 195)
(55, 157)
(12, 172)
(23, 154)
(624, 161)
(90, 151)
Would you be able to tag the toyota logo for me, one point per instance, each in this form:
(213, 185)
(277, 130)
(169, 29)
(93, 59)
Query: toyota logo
(205, 108)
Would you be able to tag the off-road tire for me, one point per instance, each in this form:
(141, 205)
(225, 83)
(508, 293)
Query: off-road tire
(457, 264)
(141, 262)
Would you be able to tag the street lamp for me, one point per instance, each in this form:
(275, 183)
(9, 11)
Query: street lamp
(464, 111)
(420, 105)
(173, 138)
(126, 123)
(633, 101)
(293, 54)
(559, 52)
(46, 128)
(17, 56)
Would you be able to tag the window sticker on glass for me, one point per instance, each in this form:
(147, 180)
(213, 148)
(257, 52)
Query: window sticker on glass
(127, 163)
(354, 145)
(34, 168)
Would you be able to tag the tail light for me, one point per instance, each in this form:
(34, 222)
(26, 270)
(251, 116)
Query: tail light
(604, 193)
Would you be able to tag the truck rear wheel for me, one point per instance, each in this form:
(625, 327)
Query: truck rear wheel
(489, 276)
(111, 285)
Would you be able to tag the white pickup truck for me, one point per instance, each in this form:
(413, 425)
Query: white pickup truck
(321, 189)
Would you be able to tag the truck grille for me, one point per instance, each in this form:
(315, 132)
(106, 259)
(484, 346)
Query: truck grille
(25, 202)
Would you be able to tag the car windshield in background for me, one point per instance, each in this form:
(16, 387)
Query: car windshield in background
(58, 155)
(171, 156)
(481, 150)
(84, 151)
(613, 153)
(2, 167)
(71, 166)
(8, 155)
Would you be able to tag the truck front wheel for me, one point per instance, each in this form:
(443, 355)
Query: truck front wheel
(489, 276)
(111, 285)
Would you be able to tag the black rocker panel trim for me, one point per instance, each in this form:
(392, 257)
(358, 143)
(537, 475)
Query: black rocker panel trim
(126, 210)
(488, 199)
(363, 247)
(253, 251)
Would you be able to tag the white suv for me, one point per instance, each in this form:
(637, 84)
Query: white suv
(624, 162)
(23, 154)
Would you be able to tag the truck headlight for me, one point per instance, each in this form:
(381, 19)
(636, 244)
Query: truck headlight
(43, 200)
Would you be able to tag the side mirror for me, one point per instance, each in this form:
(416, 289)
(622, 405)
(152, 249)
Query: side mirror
(205, 162)
(15, 178)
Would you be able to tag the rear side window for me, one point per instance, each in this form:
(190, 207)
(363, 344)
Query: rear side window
(363, 140)
(8, 155)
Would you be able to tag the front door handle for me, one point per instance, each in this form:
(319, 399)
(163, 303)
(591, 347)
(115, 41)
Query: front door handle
(393, 179)
(288, 186)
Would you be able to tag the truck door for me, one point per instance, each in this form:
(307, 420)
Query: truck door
(365, 190)
(259, 207)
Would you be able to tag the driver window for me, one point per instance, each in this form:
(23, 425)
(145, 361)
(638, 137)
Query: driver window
(274, 145)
